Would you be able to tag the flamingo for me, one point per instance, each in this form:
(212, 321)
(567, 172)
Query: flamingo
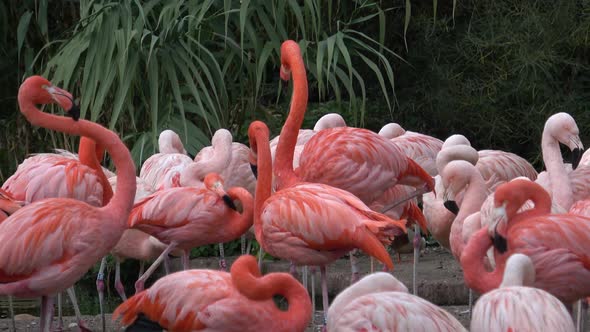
(312, 223)
(419, 147)
(52, 175)
(565, 185)
(46, 246)
(187, 217)
(516, 307)
(379, 302)
(219, 301)
(330, 120)
(228, 159)
(548, 239)
(8, 205)
(163, 169)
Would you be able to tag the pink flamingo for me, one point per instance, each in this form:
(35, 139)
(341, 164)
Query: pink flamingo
(51, 175)
(188, 217)
(564, 185)
(163, 169)
(313, 224)
(219, 301)
(330, 120)
(379, 302)
(549, 240)
(46, 246)
(516, 307)
(8, 205)
(418, 147)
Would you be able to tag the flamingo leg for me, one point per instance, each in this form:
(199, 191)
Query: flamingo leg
(139, 284)
(185, 260)
(100, 288)
(249, 247)
(304, 278)
(243, 243)
(118, 284)
(141, 268)
(167, 265)
(325, 301)
(81, 324)
(313, 273)
(581, 319)
(11, 312)
(416, 243)
(46, 313)
(260, 255)
(372, 265)
(222, 263)
(60, 320)
(293, 270)
(354, 267)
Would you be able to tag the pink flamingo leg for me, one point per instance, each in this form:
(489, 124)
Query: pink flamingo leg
(185, 260)
(416, 243)
(100, 288)
(325, 301)
(81, 324)
(222, 263)
(118, 284)
(11, 312)
(141, 268)
(354, 267)
(166, 265)
(46, 313)
(293, 270)
(139, 284)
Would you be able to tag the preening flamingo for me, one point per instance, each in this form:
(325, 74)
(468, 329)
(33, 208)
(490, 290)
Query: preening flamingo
(163, 169)
(53, 175)
(379, 302)
(46, 246)
(354, 159)
(517, 307)
(8, 205)
(219, 301)
(188, 217)
(313, 224)
(558, 245)
(330, 120)
(418, 147)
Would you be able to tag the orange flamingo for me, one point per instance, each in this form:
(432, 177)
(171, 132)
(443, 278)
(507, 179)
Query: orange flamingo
(548, 239)
(46, 246)
(313, 224)
(219, 301)
(517, 307)
(379, 302)
(188, 217)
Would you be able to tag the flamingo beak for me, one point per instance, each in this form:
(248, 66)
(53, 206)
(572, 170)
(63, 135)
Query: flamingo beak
(64, 99)
(285, 73)
(218, 189)
(449, 201)
(577, 148)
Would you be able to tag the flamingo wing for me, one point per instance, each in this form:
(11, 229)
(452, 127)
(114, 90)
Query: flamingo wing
(393, 311)
(504, 166)
(162, 170)
(52, 176)
(46, 233)
(356, 160)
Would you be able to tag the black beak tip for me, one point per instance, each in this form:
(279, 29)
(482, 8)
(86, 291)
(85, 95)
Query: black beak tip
(577, 154)
(500, 243)
(452, 207)
(254, 169)
(229, 202)
(74, 112)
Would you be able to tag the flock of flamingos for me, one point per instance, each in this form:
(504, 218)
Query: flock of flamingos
(313, 196)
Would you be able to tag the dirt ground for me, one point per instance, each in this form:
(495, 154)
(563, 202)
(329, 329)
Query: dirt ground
(440, 281)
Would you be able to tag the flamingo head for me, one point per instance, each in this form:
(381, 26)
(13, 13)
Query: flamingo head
(40, 91)
(455, 177)
(214, 182)
(289, 52)
(563, 128)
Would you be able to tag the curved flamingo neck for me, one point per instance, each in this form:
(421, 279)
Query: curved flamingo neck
(122, 201)
(475, 195)
(239, 223)
(560, 182)
(260, 144)
(247, 280)
(474, 272)
(89, 153)
(283, 168)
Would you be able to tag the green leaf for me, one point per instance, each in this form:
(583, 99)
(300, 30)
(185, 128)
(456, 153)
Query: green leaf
(21, 30)
(407, 20)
